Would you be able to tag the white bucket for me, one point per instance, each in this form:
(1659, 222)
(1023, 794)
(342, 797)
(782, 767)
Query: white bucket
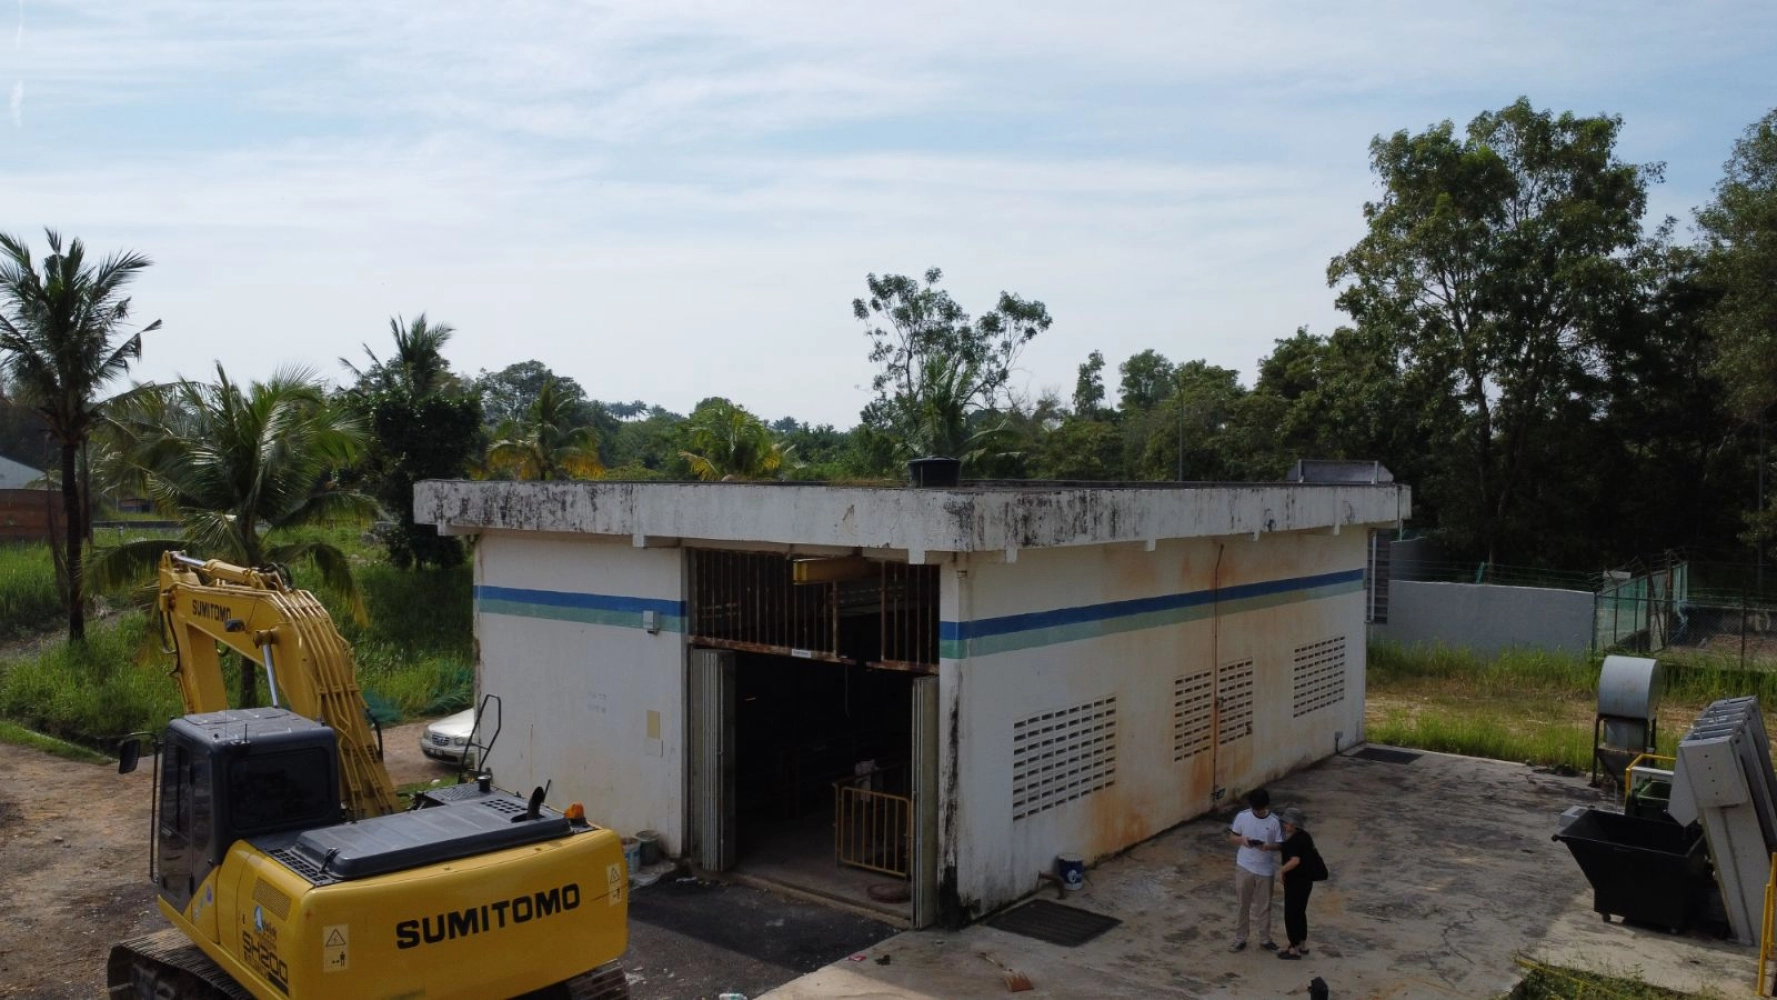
(632, 855)
(1071, 870)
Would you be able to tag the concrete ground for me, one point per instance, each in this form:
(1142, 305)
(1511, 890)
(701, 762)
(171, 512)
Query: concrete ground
(1444, 874)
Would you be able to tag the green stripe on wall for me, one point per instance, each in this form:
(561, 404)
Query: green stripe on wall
(586, 616)
(956, 649)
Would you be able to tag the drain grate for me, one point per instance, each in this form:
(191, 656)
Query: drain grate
(1052, 922)
(1387, 756)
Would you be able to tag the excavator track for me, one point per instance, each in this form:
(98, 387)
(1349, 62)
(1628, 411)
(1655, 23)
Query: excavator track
(165, 965)
(607, 982)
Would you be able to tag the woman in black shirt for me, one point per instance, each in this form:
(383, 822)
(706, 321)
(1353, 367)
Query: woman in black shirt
(1302, 867)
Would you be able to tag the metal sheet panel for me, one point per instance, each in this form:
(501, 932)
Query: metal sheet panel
(712, 757)
(926, 848)
(1723, 780)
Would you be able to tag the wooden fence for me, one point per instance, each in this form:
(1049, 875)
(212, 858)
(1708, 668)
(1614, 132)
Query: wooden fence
(30, 515)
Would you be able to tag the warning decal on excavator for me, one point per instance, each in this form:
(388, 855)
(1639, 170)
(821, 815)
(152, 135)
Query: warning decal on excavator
(614, 885)
(334, 941)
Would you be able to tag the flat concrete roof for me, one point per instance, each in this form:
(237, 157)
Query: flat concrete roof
(1444, 873)
(989, 517)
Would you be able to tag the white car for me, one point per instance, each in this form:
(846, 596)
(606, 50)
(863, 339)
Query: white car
(448, 739)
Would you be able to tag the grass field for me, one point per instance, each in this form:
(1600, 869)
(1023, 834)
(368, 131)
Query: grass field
(1525, 706)
(28, 599)
(415, 655)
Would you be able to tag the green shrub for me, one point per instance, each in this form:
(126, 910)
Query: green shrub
(1548, 982)
(91, 693)
(29, 600)
(1515, 670)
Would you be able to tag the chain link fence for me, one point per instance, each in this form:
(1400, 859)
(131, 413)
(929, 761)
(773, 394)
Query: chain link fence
(1662, 610)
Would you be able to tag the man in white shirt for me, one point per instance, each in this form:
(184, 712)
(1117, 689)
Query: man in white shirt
(1259, 835)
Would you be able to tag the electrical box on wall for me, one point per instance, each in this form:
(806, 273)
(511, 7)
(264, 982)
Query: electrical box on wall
(651, 622)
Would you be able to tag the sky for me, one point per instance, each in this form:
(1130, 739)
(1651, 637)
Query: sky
(669, 200)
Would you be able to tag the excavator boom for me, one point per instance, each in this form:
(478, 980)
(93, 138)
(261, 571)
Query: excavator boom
(288, 633)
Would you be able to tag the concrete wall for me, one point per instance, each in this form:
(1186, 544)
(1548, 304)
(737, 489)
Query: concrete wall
(1063, 627)
(919, 521)
(592, 701)
(1487, 618)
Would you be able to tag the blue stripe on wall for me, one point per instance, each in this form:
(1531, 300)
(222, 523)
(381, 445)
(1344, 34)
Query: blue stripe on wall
(1008, 624)
(589, 602)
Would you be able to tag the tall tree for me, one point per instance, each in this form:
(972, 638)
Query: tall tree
(1147, 381)
(239, 467)
(417, 367)
(1739, 227)
(1089, 387)
(1492, 259)
(723, 441)
(509, 393)
(938, 367)
(545, 442)
(424, 424)
(1187, 432)
(62, 340)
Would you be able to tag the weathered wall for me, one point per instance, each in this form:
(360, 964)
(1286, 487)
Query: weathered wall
(1061, 628)
(919, 521)
(592, 701)
(1487, 618)
(28, 515)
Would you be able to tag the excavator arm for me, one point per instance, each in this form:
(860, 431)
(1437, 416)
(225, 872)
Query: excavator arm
(309, 666)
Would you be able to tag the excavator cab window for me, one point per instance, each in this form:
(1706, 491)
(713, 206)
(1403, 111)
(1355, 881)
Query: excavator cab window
(185, 822)
(281, 791)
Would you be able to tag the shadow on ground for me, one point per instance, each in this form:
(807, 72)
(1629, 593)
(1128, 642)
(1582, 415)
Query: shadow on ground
(691, 937)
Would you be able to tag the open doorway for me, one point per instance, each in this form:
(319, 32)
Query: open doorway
(807, 677)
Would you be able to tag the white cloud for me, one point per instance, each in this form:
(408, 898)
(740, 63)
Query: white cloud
(673, 199)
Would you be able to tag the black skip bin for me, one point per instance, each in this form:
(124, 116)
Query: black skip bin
(1068, 926)
(1646, 871)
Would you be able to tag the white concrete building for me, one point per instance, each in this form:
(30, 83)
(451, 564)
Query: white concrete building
(941, 688)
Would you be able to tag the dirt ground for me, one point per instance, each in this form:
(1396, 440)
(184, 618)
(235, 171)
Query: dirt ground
(74, 847)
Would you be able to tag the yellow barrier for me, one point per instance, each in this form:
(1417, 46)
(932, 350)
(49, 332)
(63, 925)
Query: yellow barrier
(871, 829)
(1764, 938)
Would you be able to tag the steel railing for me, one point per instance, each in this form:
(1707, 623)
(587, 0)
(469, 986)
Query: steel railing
(873, 829)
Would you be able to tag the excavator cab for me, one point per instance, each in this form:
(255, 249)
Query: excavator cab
(226, 776)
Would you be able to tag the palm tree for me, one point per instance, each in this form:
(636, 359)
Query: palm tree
(62, 338)
(417, 367)
(238, 466)
(724, 441)
(545, 443)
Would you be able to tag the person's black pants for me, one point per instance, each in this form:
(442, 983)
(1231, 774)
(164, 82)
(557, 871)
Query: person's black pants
(1295, 910)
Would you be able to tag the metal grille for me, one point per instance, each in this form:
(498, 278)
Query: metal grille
(909, 615)
(1055, 923)
(752, 602)
(1319, 675)
(1059, 756)
(1234, 692)
(1377, 579)
(749, 601)
(1193, 714)
(272, 898)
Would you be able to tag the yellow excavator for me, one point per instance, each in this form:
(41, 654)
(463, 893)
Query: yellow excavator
(290, 871)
